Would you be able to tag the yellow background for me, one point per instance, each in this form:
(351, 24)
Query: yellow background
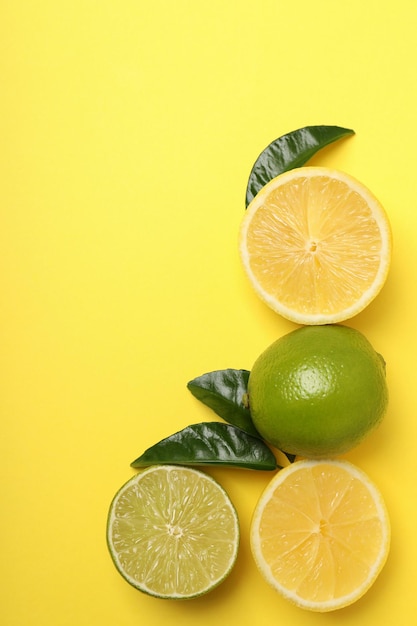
(127, 133)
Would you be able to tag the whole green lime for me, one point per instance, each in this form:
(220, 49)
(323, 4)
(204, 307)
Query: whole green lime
(318, 391)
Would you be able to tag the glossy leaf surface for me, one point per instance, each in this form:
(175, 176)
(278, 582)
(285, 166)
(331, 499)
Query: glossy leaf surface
(290, 151)
(210, 443)
(225, 392)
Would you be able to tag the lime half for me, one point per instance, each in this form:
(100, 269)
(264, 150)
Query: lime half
(173, 532)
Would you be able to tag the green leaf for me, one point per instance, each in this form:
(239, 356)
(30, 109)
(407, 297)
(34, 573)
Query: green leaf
(210, 443)
(290, 151)
(225, 392)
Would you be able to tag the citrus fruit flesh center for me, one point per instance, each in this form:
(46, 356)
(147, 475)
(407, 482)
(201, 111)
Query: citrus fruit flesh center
(320, 535)
(173, 532)
(315, 246)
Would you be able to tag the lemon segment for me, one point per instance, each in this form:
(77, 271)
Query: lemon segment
(320, 534)
(173, 532)
(316, 245)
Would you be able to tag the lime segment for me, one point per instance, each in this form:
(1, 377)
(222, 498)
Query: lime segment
(173, 532)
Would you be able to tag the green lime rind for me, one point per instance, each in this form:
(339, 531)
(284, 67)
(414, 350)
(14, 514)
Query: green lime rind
(318, 391)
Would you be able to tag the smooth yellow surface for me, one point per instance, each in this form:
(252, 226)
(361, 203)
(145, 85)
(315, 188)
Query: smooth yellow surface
(128, 130)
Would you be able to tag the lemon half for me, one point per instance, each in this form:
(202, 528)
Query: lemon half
(320, 534)
(316, 245)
